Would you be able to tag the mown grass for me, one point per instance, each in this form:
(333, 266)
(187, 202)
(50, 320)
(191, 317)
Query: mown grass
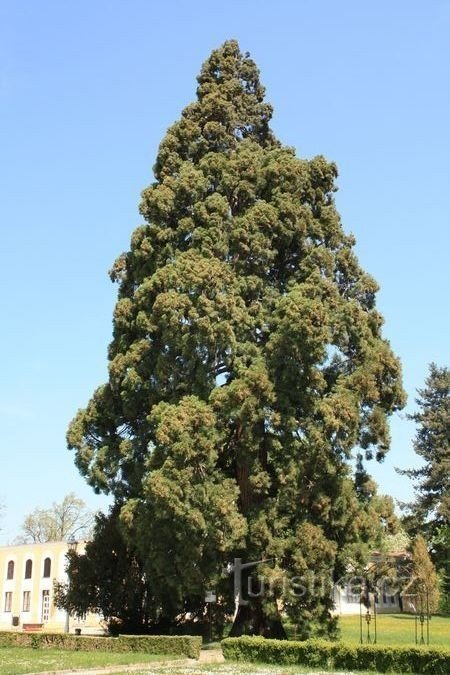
(231, 668)
(391, 629)
(21, 660)
(398, 629)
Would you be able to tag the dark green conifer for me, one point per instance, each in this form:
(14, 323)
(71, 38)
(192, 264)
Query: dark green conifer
(247, 362)
(429, 513)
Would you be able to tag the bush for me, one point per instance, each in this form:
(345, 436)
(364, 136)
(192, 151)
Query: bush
(340, 655)
(184, 645)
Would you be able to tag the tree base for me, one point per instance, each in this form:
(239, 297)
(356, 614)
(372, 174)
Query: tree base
(252, 620)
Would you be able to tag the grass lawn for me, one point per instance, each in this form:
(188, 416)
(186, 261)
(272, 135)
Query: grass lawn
(231, 668)
(396, 629)
(391, 629)
(20, 660)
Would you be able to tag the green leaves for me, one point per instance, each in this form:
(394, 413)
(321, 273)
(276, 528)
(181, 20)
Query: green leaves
(247, 359)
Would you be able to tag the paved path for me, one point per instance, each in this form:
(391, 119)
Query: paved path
(211, 656)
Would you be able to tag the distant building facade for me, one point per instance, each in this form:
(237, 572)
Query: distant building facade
(27, 576)
(391, 596)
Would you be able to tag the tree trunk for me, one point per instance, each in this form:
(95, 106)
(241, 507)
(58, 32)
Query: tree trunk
(242, 476)
(253, 620)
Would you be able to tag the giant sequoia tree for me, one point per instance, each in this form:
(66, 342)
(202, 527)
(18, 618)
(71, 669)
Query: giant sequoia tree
(246, 364)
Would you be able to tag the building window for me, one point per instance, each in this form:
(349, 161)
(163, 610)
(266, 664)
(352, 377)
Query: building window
(45, 615)
(28, 569)
(8, 601)
(26, 601)
(47, 567)
(353, 593)
(10, 571)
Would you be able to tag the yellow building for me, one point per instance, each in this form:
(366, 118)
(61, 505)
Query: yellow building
(27, 576)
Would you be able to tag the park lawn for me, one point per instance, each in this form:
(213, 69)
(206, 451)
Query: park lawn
(396, 629)
(230, 668)
(21, 660)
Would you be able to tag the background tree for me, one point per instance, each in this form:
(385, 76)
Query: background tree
(69, 519)
(107, 579)
(424, 586)
(246, 364)
(429, 513)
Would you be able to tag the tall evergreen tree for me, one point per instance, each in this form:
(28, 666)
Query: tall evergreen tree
(432, 444)
(246, 364)
(429, 513)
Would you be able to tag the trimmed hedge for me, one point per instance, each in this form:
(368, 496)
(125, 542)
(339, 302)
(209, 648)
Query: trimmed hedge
(184, 645)
(340, 655)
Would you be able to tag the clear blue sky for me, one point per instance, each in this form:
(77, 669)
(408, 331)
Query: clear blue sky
(87, 91)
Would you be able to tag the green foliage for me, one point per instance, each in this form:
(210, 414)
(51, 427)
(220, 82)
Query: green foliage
(398, 541)
(339, 655)
(425, 582)
(441, 552)
(107, 579)
(429, 514)
(247, 362)
(185, 645)
(432, 444)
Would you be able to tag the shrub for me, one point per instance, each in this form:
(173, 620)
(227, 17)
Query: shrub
(184, 645)
(341, 655)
